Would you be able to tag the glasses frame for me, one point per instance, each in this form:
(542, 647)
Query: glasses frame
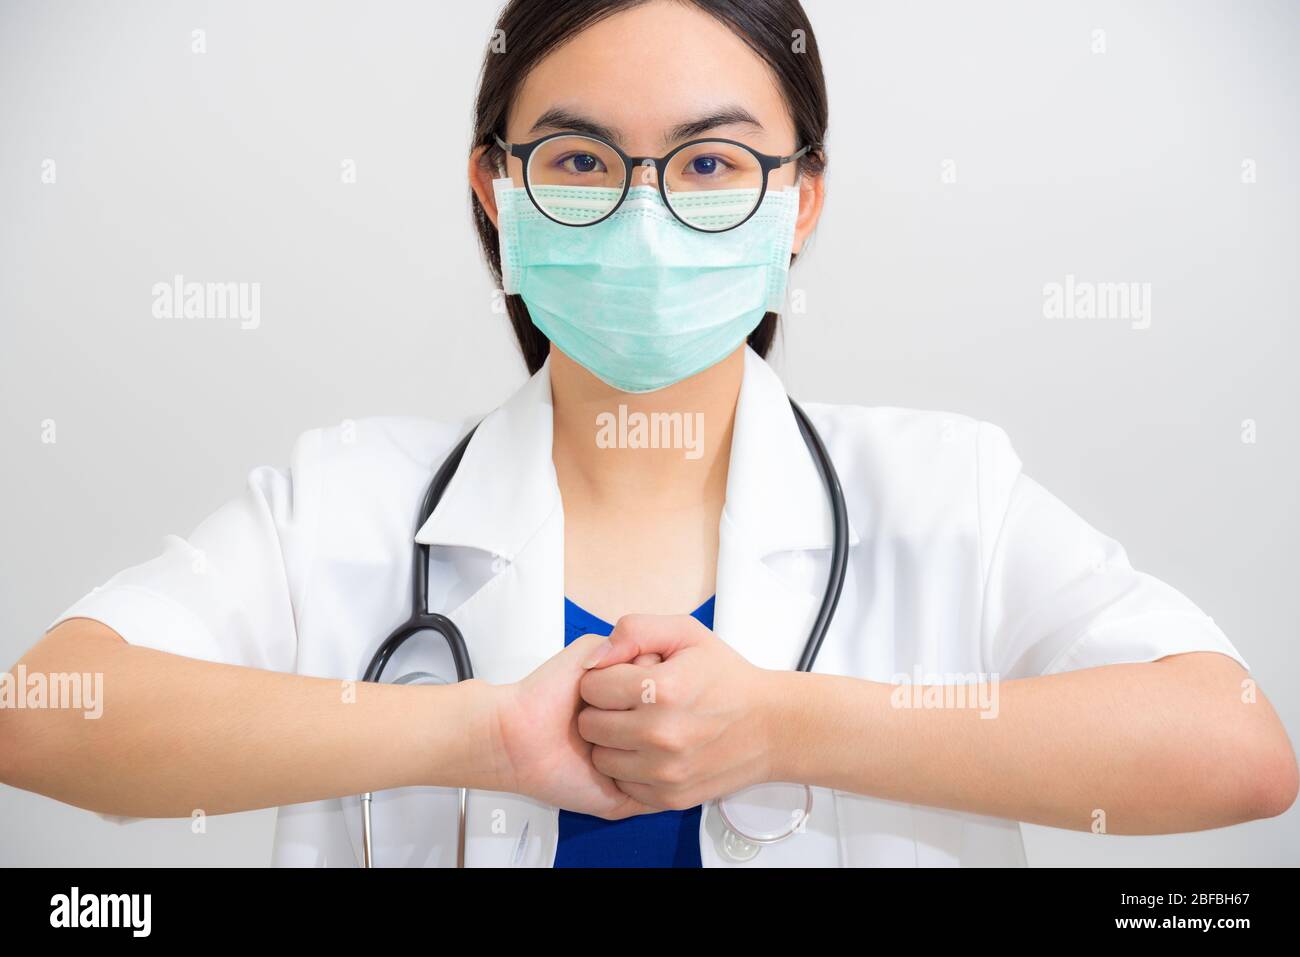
(524, 151)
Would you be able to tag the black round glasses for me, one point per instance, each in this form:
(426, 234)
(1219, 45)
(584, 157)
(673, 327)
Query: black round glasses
(712, 185)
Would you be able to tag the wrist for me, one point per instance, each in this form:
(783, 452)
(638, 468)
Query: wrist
(778, 697)
(474, 719)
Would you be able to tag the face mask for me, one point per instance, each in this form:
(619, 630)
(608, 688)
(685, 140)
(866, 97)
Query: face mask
(641, 300)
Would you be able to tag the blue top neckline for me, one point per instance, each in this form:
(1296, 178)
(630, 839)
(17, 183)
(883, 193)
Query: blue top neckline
(573, 612)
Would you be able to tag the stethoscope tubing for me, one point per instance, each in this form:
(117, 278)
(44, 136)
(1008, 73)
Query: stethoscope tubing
(839, 539)
(422, 620)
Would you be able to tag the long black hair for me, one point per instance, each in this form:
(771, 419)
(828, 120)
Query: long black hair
(777, 30)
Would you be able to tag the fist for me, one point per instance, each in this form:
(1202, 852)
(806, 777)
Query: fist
(543, 755)
(674, 716)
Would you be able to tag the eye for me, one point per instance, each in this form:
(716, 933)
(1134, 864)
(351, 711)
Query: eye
(708, 166)
(581, 163)
(704, 165)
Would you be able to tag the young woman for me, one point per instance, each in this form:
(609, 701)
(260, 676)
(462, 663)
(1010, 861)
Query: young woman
(643, 174)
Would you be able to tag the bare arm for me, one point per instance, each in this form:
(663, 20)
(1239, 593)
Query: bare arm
(1167, 746)
(178, 734)
(1163, 747)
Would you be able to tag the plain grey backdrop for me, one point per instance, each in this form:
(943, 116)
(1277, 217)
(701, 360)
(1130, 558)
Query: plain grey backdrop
(978, 152)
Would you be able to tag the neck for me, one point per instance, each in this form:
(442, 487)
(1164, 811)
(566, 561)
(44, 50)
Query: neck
(664, 449)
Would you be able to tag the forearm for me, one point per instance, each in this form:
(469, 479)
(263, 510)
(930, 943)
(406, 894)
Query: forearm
(178, 735)
(1161, 747)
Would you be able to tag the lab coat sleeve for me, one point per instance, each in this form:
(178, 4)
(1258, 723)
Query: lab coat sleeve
(1058, 594)
(229, 591)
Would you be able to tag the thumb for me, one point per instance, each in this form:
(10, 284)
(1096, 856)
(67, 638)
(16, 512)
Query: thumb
(637, 635)
(572, 659)
(565, 667)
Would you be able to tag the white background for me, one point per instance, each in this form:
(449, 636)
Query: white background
(1122, 166)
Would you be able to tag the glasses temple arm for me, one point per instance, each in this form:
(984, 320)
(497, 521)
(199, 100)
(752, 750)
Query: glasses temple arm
(794, 156)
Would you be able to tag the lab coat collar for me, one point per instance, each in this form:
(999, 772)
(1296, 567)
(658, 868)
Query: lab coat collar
(505, 500)
(506, 486)
(775, 496)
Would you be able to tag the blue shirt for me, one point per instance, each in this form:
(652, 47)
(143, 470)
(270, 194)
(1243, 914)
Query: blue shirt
(665, 839)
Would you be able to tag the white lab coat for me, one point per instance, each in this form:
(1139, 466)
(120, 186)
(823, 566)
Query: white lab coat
(959, 566)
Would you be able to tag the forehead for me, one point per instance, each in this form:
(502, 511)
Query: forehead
(650, 68)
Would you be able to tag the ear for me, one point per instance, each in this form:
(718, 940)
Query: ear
(481, 174)
(812, 195)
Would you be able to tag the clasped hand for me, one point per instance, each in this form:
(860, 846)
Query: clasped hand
(662, 715)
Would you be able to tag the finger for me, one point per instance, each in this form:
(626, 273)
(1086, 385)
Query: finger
(616, 689)
(645, 795)
(621, 765)
(667, 798)
(575, 653)
(624, 730)
(628, 807)
(617, 803)
(636, 635)
(645, 661)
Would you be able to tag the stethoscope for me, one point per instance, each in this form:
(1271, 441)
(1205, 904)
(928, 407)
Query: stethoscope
(757, 816)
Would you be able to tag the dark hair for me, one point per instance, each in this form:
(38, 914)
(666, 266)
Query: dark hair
(533, 28)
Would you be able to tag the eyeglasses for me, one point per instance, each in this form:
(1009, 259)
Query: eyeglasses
(709, 185)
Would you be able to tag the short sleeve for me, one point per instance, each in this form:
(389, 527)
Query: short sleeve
(1061, 596)
(229, 591)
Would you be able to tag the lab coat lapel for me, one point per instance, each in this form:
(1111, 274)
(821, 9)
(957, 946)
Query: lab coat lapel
(504, 503)
(776, 502)
(512, 625)
(774, 550)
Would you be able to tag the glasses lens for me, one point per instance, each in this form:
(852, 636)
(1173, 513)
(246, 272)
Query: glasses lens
(714, 186)
(575, 179)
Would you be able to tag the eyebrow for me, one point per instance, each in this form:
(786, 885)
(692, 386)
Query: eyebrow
(561, 119)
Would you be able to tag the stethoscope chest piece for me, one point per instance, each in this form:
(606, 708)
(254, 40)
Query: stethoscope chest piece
(759, 815)
(736, 848)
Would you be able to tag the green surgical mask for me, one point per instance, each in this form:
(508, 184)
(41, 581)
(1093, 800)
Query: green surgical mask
(639, 299)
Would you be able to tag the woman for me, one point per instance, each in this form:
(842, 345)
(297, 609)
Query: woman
(646, 291)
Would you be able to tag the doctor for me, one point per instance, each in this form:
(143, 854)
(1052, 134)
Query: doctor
(1100, 698)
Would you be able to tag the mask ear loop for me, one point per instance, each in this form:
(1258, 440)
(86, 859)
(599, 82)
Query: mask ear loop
(503, 169)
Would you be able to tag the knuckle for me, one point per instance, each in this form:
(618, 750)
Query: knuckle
(676, 799)
(655, 798)
(600, 761)
(674, 773)
(629, 626)
(659, 739)
(666, 688)
(666, 736)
